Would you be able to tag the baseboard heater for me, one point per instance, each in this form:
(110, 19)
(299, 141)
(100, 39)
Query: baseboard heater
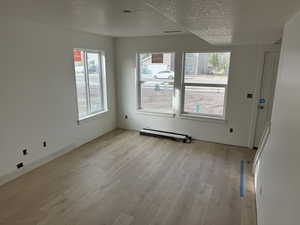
(164, 134)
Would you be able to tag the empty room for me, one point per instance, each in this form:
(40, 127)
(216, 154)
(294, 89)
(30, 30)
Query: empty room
(149, 112)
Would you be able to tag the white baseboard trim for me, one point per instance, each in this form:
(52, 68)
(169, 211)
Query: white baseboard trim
(29, 167)
(35, 164)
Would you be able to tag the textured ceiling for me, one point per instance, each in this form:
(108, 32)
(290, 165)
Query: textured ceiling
(216, 21)
(104, 17)
(230, 21)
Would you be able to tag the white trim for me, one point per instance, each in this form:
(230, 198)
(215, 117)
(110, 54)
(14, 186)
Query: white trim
(137, 82)
(45, 159)
(229, 49)
(33, 165)
(203, 117)
(200, 116)
(87, 82)
(155, 52)
(205, 85)
(152, 113)
(103, 83)
(257, 93)
(90, 116)
(261, 146)
(182, 87)
(138, 85)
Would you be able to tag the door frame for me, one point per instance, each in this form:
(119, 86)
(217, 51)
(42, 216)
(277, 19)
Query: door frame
(260, 70)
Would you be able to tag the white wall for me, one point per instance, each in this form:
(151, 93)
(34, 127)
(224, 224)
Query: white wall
(37, 92)
(245, 72)
(278, 180)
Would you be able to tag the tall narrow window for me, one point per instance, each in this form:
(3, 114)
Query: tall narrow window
(90, 82)
(205, 83)
(156, 82)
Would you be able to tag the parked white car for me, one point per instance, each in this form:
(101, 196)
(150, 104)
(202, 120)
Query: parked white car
(165, 74)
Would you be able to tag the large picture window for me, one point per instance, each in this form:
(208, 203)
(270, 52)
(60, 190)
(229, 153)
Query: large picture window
(205, 83)
(156, 82)
(89, 75)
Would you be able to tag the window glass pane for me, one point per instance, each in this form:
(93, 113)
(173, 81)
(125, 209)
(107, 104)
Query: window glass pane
(157, 81)
(209, 68)
(157, 66)
(80, 83)
(89, 84)
(204, 100)
(95, 89)
(156, 96)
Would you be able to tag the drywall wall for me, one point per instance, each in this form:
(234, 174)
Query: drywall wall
(278, 183)
(37, 92)
(244, 77)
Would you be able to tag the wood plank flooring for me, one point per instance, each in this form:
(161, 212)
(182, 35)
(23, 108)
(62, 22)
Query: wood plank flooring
(126, 179)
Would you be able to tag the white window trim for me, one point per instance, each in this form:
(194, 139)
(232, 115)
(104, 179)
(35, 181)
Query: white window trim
(91, 117)
(202, 116)
(139, 109)
(160, 114)
(103, 78)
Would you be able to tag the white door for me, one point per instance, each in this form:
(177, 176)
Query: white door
(265, 100)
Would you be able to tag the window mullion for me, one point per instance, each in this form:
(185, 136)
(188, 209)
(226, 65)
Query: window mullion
(101, 79)
(205, 85)
(140, 83)
(87, 86)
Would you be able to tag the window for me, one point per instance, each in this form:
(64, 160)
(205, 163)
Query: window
(205, 83)
(90, 85)
(156, 82)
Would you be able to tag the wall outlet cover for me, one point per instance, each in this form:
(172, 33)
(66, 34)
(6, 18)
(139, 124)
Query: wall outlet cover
(24, 152)
(20, 165)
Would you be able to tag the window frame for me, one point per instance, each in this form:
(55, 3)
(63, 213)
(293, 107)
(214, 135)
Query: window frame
(183, 113)
(138, 83)
(103, 83)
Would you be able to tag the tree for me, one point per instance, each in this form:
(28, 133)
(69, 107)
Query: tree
(214, 61)
(219, 62)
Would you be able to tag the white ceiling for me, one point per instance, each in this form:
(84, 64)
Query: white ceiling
(230, 21)
(104, 17)
(216, 21)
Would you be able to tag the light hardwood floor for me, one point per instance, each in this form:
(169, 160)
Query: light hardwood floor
(126, 179)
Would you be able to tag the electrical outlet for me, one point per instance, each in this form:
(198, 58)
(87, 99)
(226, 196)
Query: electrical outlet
(24, 152)
(20, 165)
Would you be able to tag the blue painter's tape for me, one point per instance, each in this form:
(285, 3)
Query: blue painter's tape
(262, 101)
(242, 179)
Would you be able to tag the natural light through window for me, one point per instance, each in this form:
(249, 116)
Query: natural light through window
(156, 82)
(205, 83)
(89, 82)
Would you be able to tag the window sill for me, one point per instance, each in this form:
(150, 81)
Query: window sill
(203, 118)
(160, 114)
(90, 117)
